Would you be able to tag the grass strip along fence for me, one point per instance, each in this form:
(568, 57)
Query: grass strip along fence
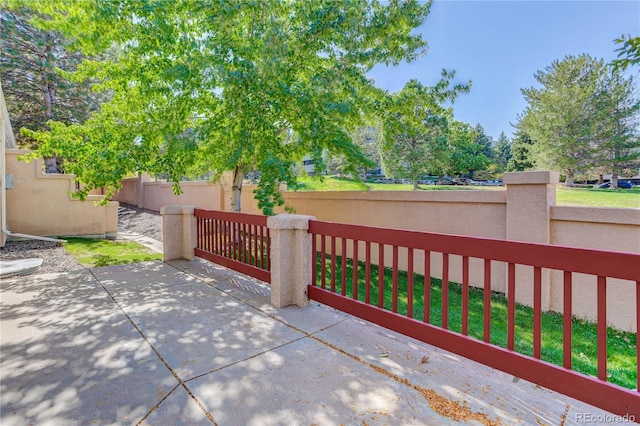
(621, 345)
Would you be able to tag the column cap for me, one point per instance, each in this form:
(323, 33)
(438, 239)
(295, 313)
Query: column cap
(531, 178)
(188, 210)
(289, 221)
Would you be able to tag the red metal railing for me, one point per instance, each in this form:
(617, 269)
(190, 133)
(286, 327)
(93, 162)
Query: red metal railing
(234, 240)
(357, 299)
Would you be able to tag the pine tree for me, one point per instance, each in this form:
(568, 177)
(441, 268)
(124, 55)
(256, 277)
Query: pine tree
(502, 152)
(521, 157)
(617, 147)
(483, 140)
(32, 65)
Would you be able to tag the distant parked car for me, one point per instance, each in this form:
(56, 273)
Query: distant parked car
(621, 184)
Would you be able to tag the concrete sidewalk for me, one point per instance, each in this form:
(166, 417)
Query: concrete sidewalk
(191, 343)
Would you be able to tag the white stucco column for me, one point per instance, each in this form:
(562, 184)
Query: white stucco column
(290, 259)
(178, 232)
(530, 196)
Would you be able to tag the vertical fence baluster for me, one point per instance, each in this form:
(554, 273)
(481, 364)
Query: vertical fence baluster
(465, 295)
(511, 306)
(223, 224)
(445, 291)
(367, 273)
(244, 239)
(333, 264)
(394, 292)
(261, 232)
(217, 229)
(602, 328)
(638, 335)
(427, 286)
(410, 282)
(537, 312)
(354, 283)
(343, 274)
(380, 275)
(487, 301)
(213, 236)
(207, 235)
(314, 255)
(254, 245)
(566, 321)
(268, 244)
(323, 261)
(198, 232)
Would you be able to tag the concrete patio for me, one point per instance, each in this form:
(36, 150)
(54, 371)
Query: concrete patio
(189, 343)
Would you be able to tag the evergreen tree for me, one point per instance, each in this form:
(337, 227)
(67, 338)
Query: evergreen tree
(483, 140)
(561, 115)
(521, 157)
(617, 146)
(502, 152)
(33, 68)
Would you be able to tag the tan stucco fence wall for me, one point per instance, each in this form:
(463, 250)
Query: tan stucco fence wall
(524, 211)
(40, 204)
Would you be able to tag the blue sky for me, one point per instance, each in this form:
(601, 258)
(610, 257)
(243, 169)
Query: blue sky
(499, 45)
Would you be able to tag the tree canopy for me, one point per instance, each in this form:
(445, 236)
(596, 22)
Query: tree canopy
(416, 128)
(213, 86)
(561, 116)
(628, 52)
(32, 67)
(583, 118)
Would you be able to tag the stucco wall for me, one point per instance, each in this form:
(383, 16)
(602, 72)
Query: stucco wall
(472, 213)
(600, 229)
(155, 195)
(40, 204)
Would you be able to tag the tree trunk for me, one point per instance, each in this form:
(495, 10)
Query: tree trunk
(569, 180)
(600, 179)
(236, 189)
(441, 179)
(415, 184)
(614, 181)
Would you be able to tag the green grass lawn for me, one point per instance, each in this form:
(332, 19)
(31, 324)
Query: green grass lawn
(598, 197)
(94, 252)
(626, 198)
(621, 345)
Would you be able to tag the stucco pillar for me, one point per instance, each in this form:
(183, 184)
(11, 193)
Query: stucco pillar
(178, 232)
(142, 178)
(530, 196)
(290, 259)
(111, 220)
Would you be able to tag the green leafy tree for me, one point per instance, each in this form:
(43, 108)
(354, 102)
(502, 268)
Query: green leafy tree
(561, 115)
(33, 65)
(628, 52)
(617, 147)
(214, 86)
(467, 156)
(502, 152)
(521, 157)
(367, 139)
(416, 128)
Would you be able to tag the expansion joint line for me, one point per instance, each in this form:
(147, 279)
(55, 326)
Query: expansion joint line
(164, 362)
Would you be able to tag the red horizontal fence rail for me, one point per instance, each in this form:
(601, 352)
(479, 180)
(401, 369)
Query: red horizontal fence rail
(601, 264)
(235, 240)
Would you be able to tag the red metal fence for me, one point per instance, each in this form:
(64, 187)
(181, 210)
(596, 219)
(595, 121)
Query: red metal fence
(351, 286)
(235, 240)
